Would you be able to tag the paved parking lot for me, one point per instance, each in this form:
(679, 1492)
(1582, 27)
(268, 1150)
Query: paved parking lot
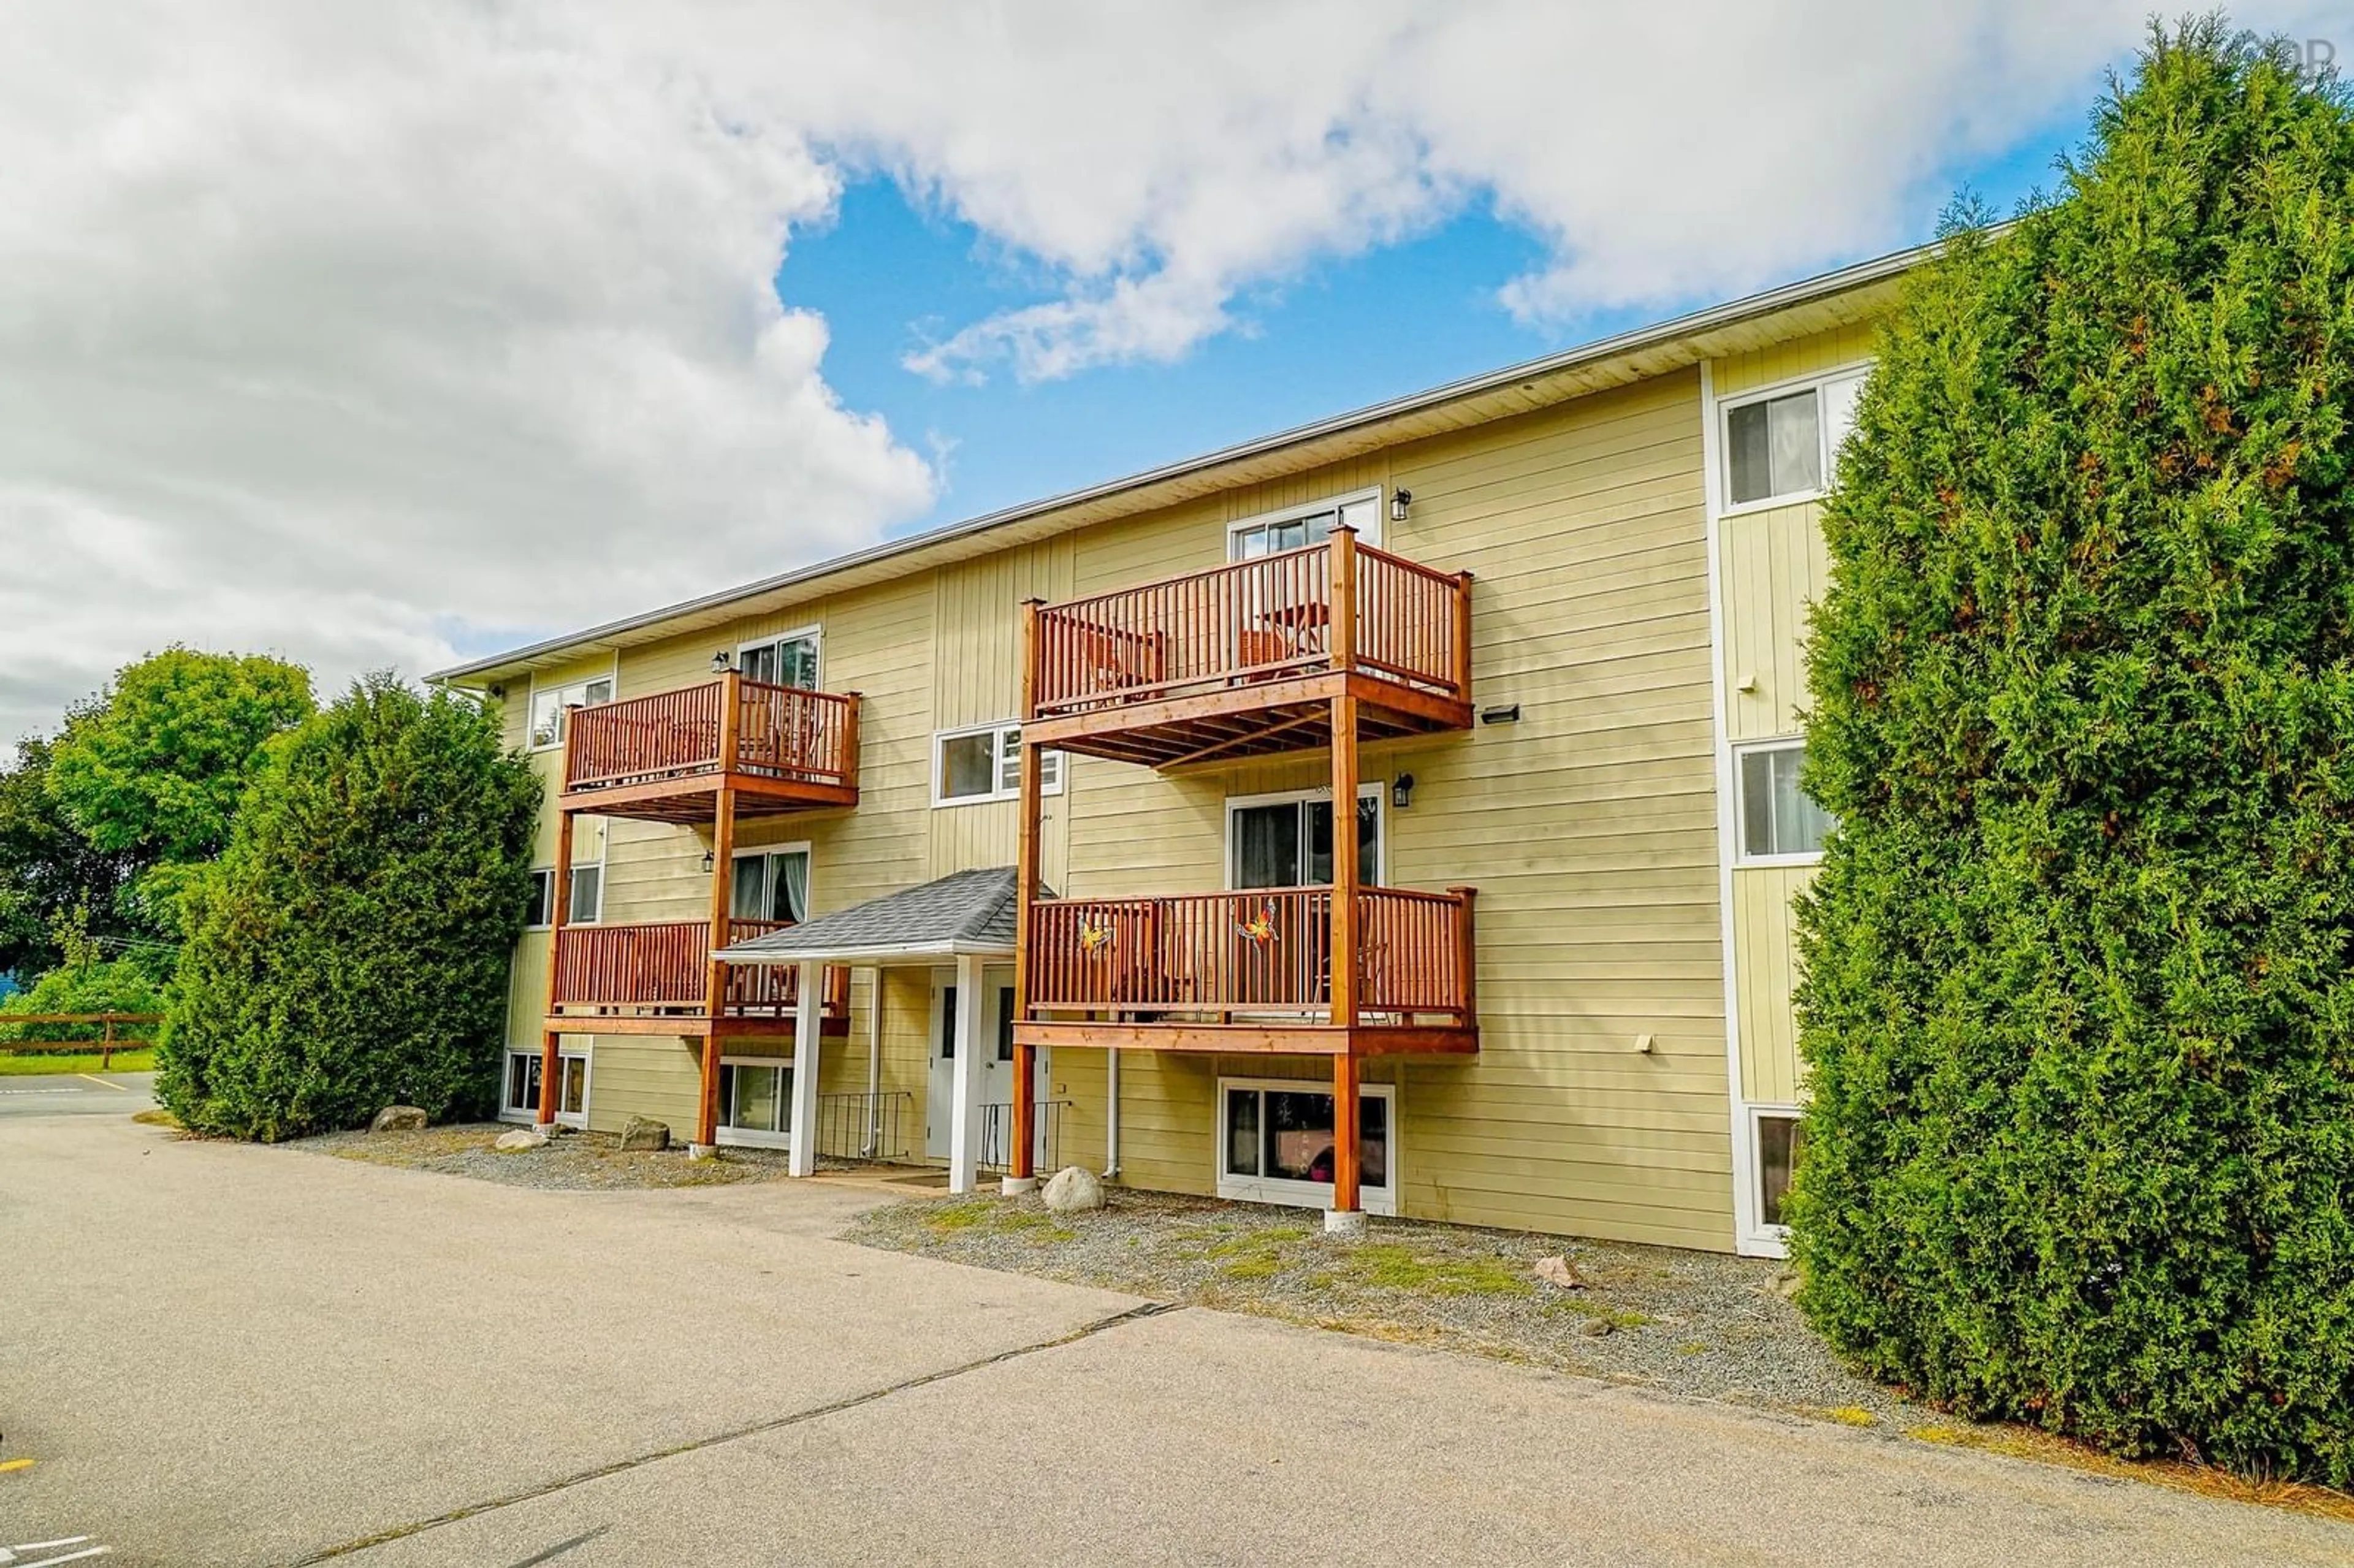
(225, 1355)
(74, 1094)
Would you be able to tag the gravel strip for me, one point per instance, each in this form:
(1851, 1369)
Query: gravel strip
(1703, 1324)
(572, 1161)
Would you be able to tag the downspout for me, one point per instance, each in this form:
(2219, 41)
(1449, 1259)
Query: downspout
(874, 1061)
(1112, 1117)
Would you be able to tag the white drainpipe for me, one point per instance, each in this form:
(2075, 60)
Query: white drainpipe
(873, 1060)
(1112, 1117)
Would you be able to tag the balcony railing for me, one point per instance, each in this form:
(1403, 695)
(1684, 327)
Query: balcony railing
(1261, 953)
(782, 733)
(1256, 622)
(663, 968)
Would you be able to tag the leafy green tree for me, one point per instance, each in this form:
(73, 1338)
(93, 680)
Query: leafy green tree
(84, 983)
(153, 767)
(51, 878)
(2079, 999)
(349, 950)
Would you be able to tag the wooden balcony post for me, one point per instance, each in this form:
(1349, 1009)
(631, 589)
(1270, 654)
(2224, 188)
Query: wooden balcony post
(1463, 636)
(1022, 1174)
(848, 760)
(560, 899)
(731, 719)
(1467, 958)
(1346, 1121)
(1348, 875)
(1342, 611)
(722, 892)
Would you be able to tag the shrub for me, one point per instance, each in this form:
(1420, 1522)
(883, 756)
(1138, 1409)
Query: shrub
(2078, 1012)
(85, 986)
(350, 949)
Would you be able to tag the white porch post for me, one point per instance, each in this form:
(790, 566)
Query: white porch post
(964, 1108)
(802, 1159)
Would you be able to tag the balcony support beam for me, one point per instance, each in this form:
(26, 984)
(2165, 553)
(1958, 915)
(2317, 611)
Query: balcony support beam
(1348, 876)
(560, 895)
(723, 894)
(1021, 1174)
(964, 1108)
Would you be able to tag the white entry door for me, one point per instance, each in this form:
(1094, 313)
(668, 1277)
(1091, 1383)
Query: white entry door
(996, 1067)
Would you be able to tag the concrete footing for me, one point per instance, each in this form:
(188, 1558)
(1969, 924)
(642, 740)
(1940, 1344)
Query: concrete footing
(1018, 1186)
(703, 1151)
(1349, 1226)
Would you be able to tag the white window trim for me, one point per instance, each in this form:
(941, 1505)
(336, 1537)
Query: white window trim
(531, 701)
(1759, 1110)
(1382, 1200)
(1741, 753)
(941, 800)
(1720, 421)
(1375, 791)
(587, 1058)
(604, 889)
(758, 852)
(1372, 535)
(749, 1137)
(814, 634)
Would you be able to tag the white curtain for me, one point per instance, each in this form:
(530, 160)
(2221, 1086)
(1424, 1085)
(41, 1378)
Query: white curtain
(793, 904)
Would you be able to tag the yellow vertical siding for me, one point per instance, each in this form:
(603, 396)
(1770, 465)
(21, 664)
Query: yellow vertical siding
(1786, 361)
(1776, 570)
(1766, 959)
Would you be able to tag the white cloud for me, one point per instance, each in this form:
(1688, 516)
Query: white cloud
(355, 330)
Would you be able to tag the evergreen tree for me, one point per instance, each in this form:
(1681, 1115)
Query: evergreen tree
(2078, 1010)
(350, 949)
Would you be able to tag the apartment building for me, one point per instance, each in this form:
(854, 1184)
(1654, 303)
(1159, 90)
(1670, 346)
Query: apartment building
(1016, 844)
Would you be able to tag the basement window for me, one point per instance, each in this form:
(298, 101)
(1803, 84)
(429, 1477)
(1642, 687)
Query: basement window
(1781, 1142)
(1274, 1144)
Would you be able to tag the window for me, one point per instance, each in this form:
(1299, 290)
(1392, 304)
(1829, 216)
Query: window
(1781, 1143)
(548, 706)
(1287, 843)
(782, 662)
(520, 1099)
(1274, 1144)
(771, 885)
(985, 764)
(1004, 1022)
(756, 1101)
(588, 897)
(1779, 821)
(1786, 446)
(1266, 535)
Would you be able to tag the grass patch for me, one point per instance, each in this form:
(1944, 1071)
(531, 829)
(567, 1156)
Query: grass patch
(156, 1118)
(14, 1064)
(1389, 1265)
(987, 1217)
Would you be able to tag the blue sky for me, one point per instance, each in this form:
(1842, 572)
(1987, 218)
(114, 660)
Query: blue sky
(889, 273)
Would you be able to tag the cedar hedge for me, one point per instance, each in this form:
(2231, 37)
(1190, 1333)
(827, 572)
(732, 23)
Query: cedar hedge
(350, 949)
(2078, 1013)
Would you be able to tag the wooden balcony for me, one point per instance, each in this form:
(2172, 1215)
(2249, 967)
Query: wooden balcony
(1250, 971)
(1246, 659)
(666, 756)
(651, 979)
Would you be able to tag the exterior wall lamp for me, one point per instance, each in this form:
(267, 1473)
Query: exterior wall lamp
(719, 663)
(1399, 501)
(710, 863)
(1401, 791)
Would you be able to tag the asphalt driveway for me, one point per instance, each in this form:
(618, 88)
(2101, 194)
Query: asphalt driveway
(74, 1094)
(225, 1355)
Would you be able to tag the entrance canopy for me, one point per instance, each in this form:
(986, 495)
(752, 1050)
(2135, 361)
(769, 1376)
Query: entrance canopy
(972, 915)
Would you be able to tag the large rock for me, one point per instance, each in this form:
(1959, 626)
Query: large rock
(1556, 1271)
(521, 1140)
(641, 1132)
(1074, 1189)
(398, 1118)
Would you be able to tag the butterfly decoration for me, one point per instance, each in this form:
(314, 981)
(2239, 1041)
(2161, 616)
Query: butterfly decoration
(1096, 940)
(1259, 927)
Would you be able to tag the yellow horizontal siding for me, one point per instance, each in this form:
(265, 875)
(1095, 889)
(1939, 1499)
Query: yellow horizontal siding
(1790, 358)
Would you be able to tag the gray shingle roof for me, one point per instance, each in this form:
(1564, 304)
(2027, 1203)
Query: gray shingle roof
(970, 911)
